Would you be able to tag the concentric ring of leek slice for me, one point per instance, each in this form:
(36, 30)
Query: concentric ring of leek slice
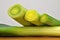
(15, 11)
(44, 18)
(31, 15)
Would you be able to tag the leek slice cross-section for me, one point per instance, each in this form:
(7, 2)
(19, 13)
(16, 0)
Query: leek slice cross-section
(17, 12)
(33, 16)
(46, 19)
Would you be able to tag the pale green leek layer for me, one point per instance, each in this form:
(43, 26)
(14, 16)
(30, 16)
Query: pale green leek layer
(30, 31)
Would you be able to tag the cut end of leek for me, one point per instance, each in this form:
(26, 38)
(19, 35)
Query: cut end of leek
(16, 11)
(46, 19)
(43, 18)
(31, 15)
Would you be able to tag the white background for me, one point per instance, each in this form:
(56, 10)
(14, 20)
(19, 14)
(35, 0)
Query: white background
(51, 7)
